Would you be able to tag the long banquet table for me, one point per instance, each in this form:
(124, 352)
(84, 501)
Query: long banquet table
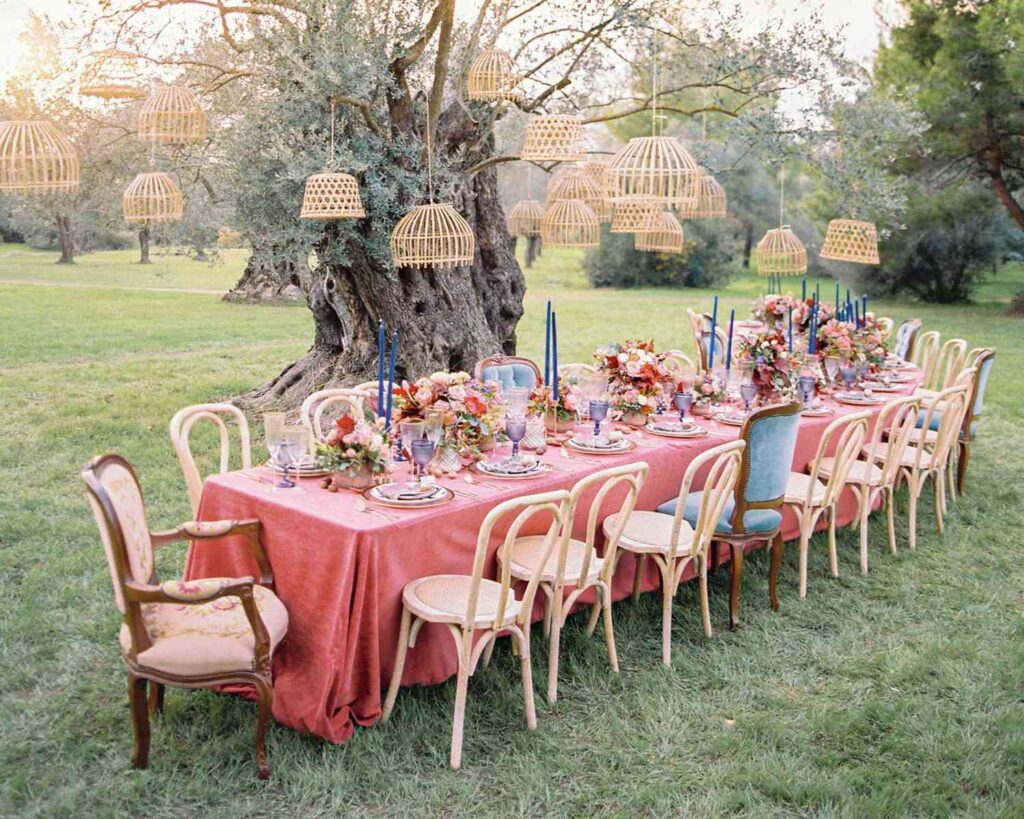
(340, 571)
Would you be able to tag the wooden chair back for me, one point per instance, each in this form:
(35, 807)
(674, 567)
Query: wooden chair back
(891, 433)
(678, 364)
(844, 437)
(501, 360)
(703, 342)
(948, 407)
(629, 476)
(905, 335)
(523, 509)
(885, 325)
(982, 366)
(573, 373)
(926, 353)
(770, 434)
(948, 365)
(344, 402)
(181, 428)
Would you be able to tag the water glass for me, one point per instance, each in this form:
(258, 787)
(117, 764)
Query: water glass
(848, 371)
(748, 392)
(598, 412)
(515, 429)
(515, 400)
(807, 383)
(683, 400)
(422, 454)
(433, 426)
(293, 445)
(832, 368)
(409, 431)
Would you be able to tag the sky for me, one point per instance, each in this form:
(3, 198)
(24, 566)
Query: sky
(858, 16)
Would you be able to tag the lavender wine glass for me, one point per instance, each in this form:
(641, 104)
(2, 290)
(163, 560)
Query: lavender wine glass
(807, 383)
(422, 454)
(748, 392)
(598, 412)
(515, 429)
(682, 400)
(848, 371)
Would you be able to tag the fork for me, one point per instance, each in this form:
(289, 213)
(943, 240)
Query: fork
(362, 507)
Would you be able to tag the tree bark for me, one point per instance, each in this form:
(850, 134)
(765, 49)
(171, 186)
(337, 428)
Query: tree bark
(748, 244)
(445, 319)
(532, 250)
(144, 245)
(66, 239)
(270, 275)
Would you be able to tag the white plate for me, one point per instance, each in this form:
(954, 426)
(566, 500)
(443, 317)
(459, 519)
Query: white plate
(623, 446)
(484, 468)
(731, 420)
(442, 495)
(306, 470)
(693, 431)
(857, 399)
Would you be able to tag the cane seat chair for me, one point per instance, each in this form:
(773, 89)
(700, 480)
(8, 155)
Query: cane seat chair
(704, 348)
(181, 428)
(948, 365)
(188, 633)
(672, 542)
(885, 325)
(754, 512)
(679, 364)
(696, 321)
(333, 403)
(472, 606)
(926, 354)
(815, 493)
(905, 336)
(509, 371)
(574, 567)
(574, 373)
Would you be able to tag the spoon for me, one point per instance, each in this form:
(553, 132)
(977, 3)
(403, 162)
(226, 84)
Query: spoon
(470, 479)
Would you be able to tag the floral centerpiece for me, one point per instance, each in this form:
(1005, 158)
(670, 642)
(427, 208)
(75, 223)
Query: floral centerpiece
(355, 451)
(559, 415)
(708, 390)
(774, 308)
(472, 410)
(635, 372)
(773, 364)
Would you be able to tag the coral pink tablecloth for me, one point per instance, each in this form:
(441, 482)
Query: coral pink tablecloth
(340, 572)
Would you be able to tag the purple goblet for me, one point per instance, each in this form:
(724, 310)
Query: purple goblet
(683, 400)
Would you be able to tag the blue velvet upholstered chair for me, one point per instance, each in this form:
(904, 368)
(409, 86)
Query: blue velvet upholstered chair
(976, 404)
(754, 513)
(509, 371)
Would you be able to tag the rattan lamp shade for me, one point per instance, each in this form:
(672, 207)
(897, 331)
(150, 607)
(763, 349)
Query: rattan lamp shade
(711, 201)
(331, 196)
(669, 239)
(570, 223)
(36, 158)
(636, 217)
(849, 241)
(553, 138)
(525, 218)
(599, 169)
(111, 75)
(172, 115)
(577, 185)
(655, 169)
(492, 76)
(434, 235)
(780, 251)
(152, 197)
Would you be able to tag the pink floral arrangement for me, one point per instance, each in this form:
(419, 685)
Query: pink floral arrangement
(842, 339)
(774, 366)
(775, 307)
(635, 372)
(708, 390)
(352, 446)
(472, 408)
(542, 401)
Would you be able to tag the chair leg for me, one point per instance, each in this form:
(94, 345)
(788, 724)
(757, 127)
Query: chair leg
(140, 720)
(609, 629)
(667, 593)
(778, 547)
(638, 576)
(914, 490)
(865, 511)
(595, 613)
(890, 516)
(156, 698)
(554, 643)
(939, 480)
(266, 700)
(961, 466)
(459, 717)
(526, 671)
(804, 543)
(833, 555)
(735, 581)
(705, 606)
(950, 480)
(489, 651)
(547, 615)
(400, 652)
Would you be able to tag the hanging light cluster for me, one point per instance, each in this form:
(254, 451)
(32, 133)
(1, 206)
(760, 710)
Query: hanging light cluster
(576, 185)
(111, 75)
(637, 217)
(668, 239)
(711, 199)
(36, 158)
(331, 195)
(553, 138)
(151, 198)
(172, 115)
(847, 240)
(432, 235)
(570, 223)
(781, 252)
(492, 76)
(524, 219)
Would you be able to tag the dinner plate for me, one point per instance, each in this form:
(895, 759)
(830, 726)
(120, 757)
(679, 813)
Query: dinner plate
(894, 378)
(378, 494)
(673, 429)
(878, 386)
(491, 470)
(817, 412)
(857, 399)
(306, 469)
(731, 420)
(620, 446)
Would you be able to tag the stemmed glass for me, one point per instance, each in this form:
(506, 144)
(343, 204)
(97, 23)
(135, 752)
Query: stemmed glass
(832, 363)
(807, 383)
(515, 400)
(292, 446)
(848, 371)
(410, 431)
(515, 429)
(422, 454)
(748, 392)
(273, 433)
(433, 426)
(598, 412)
(668, 392)
(683, 400)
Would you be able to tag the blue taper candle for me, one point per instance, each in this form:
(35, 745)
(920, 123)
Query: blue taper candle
(554, 355)
(803, 290)
(547, 347)
(391, 378)
(380, 368)
(791, 329)
(837, 298)
(864, 308)
(711, 343)
(856, 313)
(728, 349)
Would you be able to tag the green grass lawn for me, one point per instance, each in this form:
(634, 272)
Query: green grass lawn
(899, 693)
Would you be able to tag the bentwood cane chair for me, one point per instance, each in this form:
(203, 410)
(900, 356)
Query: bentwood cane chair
(905, 336)
(339, 401)
(926, 354)
(884, 325)
(574, 566)
(574, 373)
(948, 366)
(754, 513)
(810, 497)
(672, 543)
(476, 610)
(181, 429)
(704, 347)
(188, 633)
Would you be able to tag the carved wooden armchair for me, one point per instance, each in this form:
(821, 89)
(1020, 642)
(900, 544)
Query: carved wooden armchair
(187, 633)
(509, 371)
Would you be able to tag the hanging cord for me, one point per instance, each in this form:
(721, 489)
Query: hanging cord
(330, 156)
(430, 163)
(782, 194)
(654, 83)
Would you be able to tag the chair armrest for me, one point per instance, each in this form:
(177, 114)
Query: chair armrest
(211, 530)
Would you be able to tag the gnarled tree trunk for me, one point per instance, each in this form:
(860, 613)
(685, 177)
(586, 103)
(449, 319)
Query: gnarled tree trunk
(144, 245)
(271, 276)
(66, 239)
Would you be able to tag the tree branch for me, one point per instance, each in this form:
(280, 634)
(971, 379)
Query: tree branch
(415, 51)
(364, 109)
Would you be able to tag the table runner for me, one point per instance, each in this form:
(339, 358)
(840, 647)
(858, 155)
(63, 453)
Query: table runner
(340, 572)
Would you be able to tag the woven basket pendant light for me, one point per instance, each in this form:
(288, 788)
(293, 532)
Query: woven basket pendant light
(781, 252)
(570, 223)
(172, 115)
(636, 217)
(36, 158)
(599, 169)
(711, 200)
(669, 239)
(492, 76)
(847, 240)
(331, 195)
(525, 218)
(111, 75)
(152, 197)
(576, 185)
(553, 138)
(655, 169)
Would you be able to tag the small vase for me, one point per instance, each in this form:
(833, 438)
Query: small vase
(552, 424)
(360, 478)
(448, 459)
(486, 444)
(701, 408)
(637, 420)
(535, 437)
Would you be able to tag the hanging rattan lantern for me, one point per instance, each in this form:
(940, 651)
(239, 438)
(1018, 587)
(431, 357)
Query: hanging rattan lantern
(636, 217)
(847, 240)
(655, 169)
(331, 196)
(780, 251)
(152, 197)
(553, 138)
(599, 169)
(433, 235)
(172, 115)
(570, 223)
(36, 158)
(576, 185)
(492, 76)
(111, 75)
(711, 200)
(669, 239)
(525, 218)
